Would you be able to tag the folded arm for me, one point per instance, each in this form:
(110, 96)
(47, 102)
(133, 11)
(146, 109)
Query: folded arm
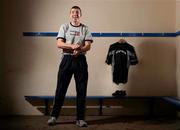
(61, 44)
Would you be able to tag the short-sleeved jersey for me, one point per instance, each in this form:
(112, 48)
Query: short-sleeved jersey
(74, 34)
(121, 56)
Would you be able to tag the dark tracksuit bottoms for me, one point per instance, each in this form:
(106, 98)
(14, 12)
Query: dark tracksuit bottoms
(71, 65)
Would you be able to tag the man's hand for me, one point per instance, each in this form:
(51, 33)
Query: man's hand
(75, 47)
(76, 52)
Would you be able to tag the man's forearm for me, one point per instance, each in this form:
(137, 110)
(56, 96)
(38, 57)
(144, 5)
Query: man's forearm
(85, 48)
(61, 44)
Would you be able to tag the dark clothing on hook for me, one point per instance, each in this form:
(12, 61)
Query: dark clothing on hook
(120, 56)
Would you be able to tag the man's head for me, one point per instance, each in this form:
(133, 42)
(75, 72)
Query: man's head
(75, 14)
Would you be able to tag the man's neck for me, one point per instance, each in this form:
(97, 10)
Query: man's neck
(75, 23)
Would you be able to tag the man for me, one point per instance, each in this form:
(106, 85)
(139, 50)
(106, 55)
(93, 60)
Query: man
(75, 40)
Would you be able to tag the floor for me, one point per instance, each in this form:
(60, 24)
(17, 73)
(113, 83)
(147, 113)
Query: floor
(95, 123)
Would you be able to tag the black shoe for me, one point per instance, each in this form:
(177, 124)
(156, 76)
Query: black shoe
(118, 93)
(123, 93)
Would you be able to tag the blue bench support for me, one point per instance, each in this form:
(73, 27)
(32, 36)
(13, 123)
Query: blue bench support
(150, 100)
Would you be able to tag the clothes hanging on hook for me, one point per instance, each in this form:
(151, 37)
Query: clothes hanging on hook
(120, 57)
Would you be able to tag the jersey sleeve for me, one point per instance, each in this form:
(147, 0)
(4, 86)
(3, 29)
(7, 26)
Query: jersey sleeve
(61, 33)
(88, 36)
(109, 57)
(133, 57)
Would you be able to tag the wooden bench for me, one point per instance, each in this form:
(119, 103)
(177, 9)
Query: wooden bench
(44, 103)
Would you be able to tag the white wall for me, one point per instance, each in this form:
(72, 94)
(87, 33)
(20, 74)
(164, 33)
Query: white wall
(32, 62)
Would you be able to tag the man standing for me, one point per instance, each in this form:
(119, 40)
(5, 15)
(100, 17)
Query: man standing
(75, 40)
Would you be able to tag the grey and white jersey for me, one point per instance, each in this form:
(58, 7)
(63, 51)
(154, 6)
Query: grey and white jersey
(120, 56)
(74, 34)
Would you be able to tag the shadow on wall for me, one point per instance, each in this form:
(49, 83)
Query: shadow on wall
(17, 54)
(155, 75)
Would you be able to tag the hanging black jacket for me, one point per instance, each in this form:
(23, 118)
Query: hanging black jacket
(120, 56)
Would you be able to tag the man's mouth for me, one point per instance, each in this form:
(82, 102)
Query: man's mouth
(75, 17)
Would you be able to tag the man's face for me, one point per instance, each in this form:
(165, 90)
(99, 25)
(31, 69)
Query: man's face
(75, 15)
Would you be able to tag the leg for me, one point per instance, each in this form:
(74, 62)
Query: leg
(81, 79)
(64, 78)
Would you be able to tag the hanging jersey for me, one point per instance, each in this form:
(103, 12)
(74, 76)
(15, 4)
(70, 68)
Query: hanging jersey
(120, 56)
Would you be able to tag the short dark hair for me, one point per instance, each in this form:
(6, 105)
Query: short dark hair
(76, 7)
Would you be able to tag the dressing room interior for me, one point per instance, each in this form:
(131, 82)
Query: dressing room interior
(30, 58)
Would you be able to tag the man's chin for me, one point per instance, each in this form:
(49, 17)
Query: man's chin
(75, 19)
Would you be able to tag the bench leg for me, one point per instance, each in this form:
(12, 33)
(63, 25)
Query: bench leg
(151, 103)
(100, 106)
(46, 107)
